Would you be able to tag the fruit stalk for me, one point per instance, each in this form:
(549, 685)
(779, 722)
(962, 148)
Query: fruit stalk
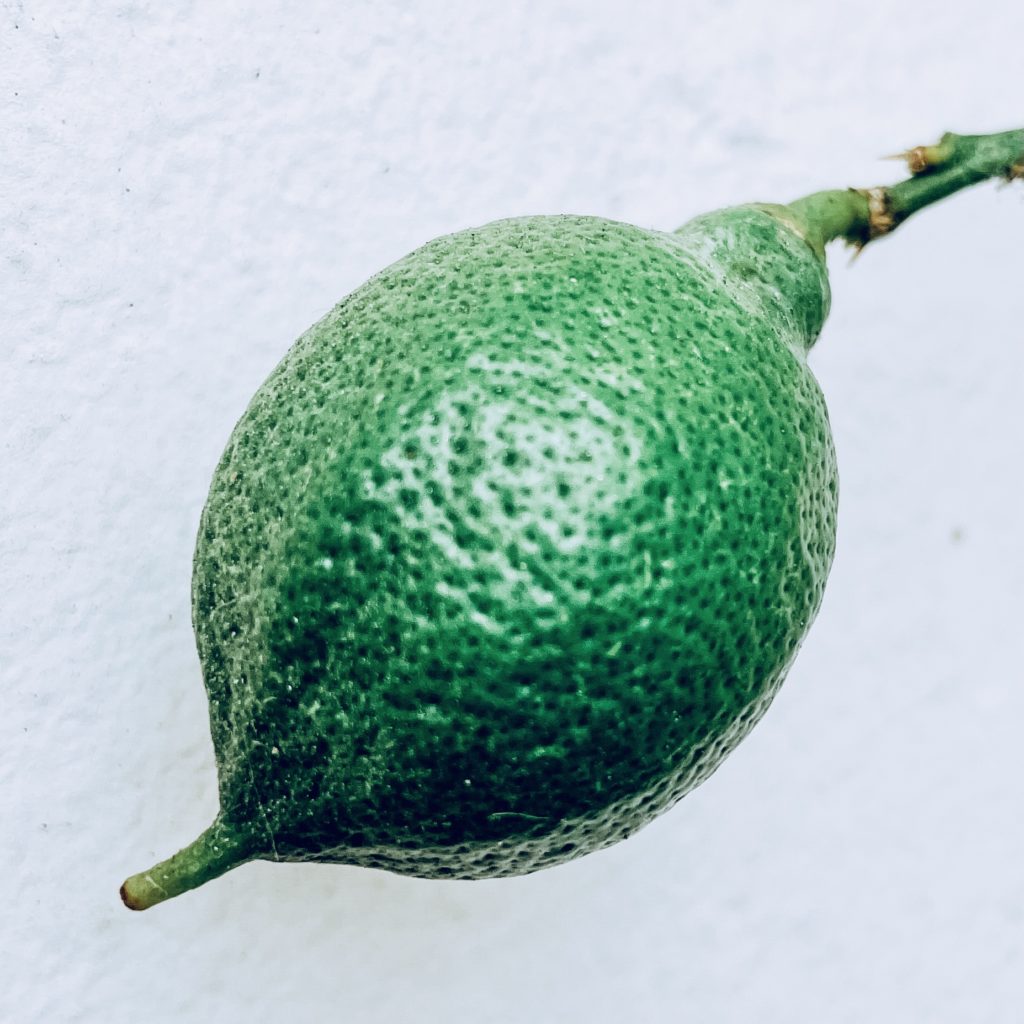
(956, 162)
(217, 850)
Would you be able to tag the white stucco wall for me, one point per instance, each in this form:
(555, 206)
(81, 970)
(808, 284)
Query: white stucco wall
(185, 187)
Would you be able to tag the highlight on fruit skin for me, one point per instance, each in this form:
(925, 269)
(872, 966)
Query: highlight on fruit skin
(520, 540)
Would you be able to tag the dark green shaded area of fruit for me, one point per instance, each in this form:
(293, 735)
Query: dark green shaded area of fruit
(519, 541)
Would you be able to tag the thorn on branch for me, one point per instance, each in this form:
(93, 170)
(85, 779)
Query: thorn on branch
(922, 159)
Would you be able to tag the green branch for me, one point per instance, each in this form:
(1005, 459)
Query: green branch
(956, 162)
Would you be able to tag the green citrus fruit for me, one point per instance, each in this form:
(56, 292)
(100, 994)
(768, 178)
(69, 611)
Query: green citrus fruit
(514, 546)
(519, 541)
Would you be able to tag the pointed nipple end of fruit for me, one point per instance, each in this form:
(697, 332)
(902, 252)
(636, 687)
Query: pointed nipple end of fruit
(217, 850)
(140, 892)
(128, 899)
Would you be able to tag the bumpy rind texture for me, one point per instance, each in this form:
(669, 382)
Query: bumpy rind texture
(517, 543)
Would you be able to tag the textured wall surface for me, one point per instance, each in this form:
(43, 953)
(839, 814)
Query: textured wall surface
(185, 187)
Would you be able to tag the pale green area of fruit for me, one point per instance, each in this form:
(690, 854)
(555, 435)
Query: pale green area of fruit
(519, 541)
